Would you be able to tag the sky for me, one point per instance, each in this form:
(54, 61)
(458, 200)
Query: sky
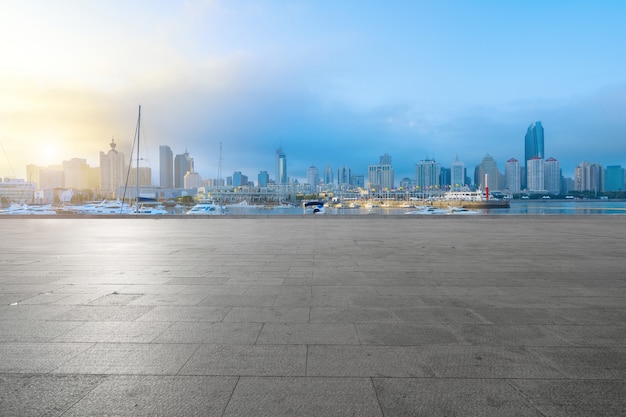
(336, 83)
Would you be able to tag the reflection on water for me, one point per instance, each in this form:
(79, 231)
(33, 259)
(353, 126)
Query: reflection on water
(532, 207)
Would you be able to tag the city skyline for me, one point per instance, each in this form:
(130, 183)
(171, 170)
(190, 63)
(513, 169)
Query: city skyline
(329, 83)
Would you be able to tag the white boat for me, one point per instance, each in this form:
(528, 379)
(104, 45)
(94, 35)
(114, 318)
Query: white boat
(105, 207)
(150, 210)
(427, 210)
(460, 210)
(25, 209)
(314, 207)
(206, 208)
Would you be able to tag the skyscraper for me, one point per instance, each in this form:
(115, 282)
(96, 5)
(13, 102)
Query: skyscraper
(535, 174)
(166, 167)
(182, 165)
(614, 178)
(488, 166)
(281, 167)
(112, 167)
(427, 174)
(328, 175)
(312, 177)
(552, 176)
(534, 141)
(512, 174)
(457, 174)
(263, 178)
(588, 177)
(380, 177)
(344, 177)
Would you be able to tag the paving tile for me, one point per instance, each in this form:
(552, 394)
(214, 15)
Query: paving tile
(21, 357)
(395, 334)
(156, 395)
(168, 299)
(351, 315)
(114, 332)
(303, 397)
(427, 315)
(307, 333)
(203, 332)
(585, 362)
(268, 315)
(101, 313)
(316, 300)
(509, 335)
(33, 330)
(580, 398)
(43, 395)
(129, 359)
(434, 397)
(238, 300)
(366, 361)
(184, 313)
(244, 360)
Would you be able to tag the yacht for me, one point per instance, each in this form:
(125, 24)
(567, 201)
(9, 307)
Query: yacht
(206, 208)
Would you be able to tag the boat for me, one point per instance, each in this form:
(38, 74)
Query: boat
(314, 207)
(460, 210)
(104, 207)
(427, 210)
(474, 199)
(206, 208)
(28, 210)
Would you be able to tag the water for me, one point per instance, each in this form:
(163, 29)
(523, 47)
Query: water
(518, 207)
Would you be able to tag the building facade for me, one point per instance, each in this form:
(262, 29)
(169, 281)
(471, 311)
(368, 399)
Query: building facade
(489, 167)
(457, 175)
(614, 178)
(588, 177)
(281, 167)
(427, 174)
(182, 165)
(166, 167)
(552, 176)
(534, 141)
(512, 174)
(112, 170)
(312, 177)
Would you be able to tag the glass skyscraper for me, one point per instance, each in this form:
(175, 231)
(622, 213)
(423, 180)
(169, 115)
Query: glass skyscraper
(281, 167)
(534, 142)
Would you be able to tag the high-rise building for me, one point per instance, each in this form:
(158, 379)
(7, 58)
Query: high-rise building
(312, 177)
(239, 179)
(552, 176)
(76, 173)
(512, 174)
(489, 167)
(112, 169)
(535, 174)
(166, 167)
(427, 174)
(457, 175)
(145, 177)
(192, 180)
(588, 177)
(182, 165)
(380, 177)
(281, 167)
(534, 141)
(614, 178)
(344, 177)
(328, 175)
(263, 179)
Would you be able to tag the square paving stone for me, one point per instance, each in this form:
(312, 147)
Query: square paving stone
(351, 315)
(238, 300)
(601, 336)
(425, 397)
(487, 362)
(366, 361)
(31, 312)
(509, 335)
(530, 316)
(396, 334)
(585, 362)
(43, 395)
(303, 397)
(185, 313)
(581, 398)
(308, 333)
(125, 358)
(37, 357)
(268, 315)
(33, 330)
(243, 360)
(206, 332)
(314, 300)
(102, 313)
(114, 332)
(156, 396)
(169, 299)
(429, 315)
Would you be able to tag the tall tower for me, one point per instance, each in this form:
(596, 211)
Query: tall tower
(535, 174)
(112, 168)
(166, 167)
(457, 174)
(487, 166)
(534, 141)
(281, 167)
(182, 165)
(552, 175)
(512, 174)
(312, 177)
(427, 174)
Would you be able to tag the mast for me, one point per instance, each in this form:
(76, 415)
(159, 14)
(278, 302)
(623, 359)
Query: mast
(138, 135)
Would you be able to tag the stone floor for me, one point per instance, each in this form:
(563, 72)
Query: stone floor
(314, 316)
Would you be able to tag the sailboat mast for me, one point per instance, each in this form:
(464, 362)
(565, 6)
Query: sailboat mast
(138, 136)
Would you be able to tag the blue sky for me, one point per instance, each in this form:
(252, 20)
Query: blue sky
(337, 83)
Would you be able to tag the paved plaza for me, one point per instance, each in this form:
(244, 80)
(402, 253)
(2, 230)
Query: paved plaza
(313, 316)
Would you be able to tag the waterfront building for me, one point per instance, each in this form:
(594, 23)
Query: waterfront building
(16, 191)
(328, 176)
(534, 141)
(112, 170)
(312, 177)
(552, 176)
(427, 174)
(281, 167)
(182, 165)
(192, 180)
(239, 179)
(344, 177)
(357, 181)
(614, 178)
(457, 175)
(487, 166)
(535, 174)
(263, 179)
(380, 177)
(76, 173)
(166, 167)
(512, 174)
(588, 177)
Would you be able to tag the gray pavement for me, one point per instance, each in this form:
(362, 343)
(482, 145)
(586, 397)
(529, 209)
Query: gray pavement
(313, 316)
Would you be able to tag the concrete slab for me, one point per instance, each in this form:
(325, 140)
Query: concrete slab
(368, 316)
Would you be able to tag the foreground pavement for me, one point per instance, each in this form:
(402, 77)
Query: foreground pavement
(313, 316)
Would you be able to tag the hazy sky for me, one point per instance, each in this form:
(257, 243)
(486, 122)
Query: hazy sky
(331, 82)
